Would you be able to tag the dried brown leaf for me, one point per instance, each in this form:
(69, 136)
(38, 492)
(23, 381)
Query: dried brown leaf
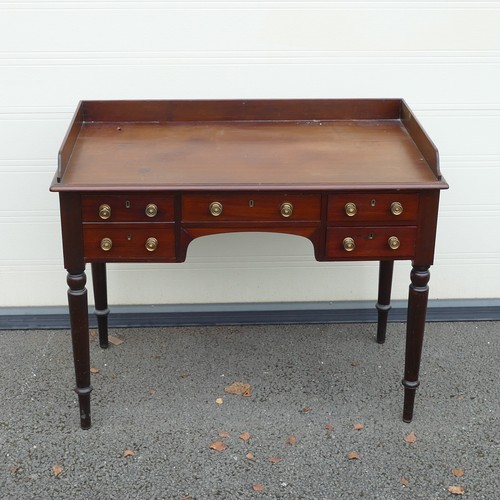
(238, 388)
(94, 371)
(245, 436)
(184, 375)
(128, 453)
(306, 409)
(292, 440)
(358, 426)
(115, 340)
(224, 434)
(352, 455)
(93, 333)
(355, 363)
(218, 446)
(14, 469)
(456, 490)
(458, 472)
(57, 470)
(250, 456)
(411, 438)
(404, 481)
(258, 487)
(275, 460)
(328, 427)
(152, 392)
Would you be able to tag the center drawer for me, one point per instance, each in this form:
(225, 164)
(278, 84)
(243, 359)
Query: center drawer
(251, 207)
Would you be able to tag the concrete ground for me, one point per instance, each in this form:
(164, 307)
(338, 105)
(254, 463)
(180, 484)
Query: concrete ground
(155, 396)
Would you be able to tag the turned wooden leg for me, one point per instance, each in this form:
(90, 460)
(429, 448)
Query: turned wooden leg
(78, 311)
(417, 309)
(384, 297)
(101, 301)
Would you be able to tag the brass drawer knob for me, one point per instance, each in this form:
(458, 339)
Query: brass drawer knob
(106, 244)
(151, 210)
(396, 208)
(286, 209)
(349, 244)
(394, 242)
(350, 209)
(151, 244)
(215, 208)
(104, 211)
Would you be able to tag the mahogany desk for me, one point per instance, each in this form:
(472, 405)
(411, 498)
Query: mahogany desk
(138, 180)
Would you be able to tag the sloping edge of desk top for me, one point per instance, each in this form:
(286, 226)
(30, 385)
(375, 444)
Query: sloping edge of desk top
(165, 111)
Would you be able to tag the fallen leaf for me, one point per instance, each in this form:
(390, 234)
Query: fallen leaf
(152, 392)
(219, 401)
(352, 455)
(186, 497)
(128, 453)
(115, 340)
(258, 487)
(184, 375)
(355, 363)
(328, 427)
(250, 456)
(57, 470)
(93, 333)
(456, 490)
(306, 409)
(245, 436)
(94, 371)
(458, 472)
(358, 426)
(275, 460)
(405, 482)
(224, 434)
(218, 446)
(292, 440)
(238, 388)
(14, 469)
(247, 393)
(410, 438)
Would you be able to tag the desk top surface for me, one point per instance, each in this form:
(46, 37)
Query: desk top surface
(234, 152)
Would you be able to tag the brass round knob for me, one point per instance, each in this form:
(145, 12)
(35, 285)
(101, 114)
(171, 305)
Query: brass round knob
(106, 244)
(151, 244)
(104, 211)
(349, 244)
(215, 208)
(151, 210)
(394, 242)
(396, 208)
(286, 209)
(350, 209)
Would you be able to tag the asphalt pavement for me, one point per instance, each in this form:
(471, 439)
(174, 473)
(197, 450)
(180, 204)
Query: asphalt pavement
(321, 418)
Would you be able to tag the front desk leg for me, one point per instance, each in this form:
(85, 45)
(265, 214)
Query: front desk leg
(78, 311)
(415, 326)
(101, 301)
(383, 305)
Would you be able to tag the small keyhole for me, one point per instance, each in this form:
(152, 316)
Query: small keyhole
(127, 204)
(373, 203)
(371, 236)
(129, 237)
(250, 203)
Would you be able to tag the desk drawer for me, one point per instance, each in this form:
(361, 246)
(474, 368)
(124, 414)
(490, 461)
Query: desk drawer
(251, 207)
(359, 208)
(371, 243)
(129, 242)
(131, 207)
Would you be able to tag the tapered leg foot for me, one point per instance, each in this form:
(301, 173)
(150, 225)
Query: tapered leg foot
(415, 327)
(101, 301)
(383, 305)
(77, 299)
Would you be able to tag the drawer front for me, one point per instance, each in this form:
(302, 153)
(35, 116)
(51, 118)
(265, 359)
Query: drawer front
(371, 243)
(141, 207)
(129, 242)
(359, 208)
(251, 207)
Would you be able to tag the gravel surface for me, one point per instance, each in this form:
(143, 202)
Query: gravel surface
(155, 395)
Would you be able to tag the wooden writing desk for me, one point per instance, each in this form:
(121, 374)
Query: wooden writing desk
(138, 180)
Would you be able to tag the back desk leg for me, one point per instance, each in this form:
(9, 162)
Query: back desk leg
(101, 301)
(383, 305)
